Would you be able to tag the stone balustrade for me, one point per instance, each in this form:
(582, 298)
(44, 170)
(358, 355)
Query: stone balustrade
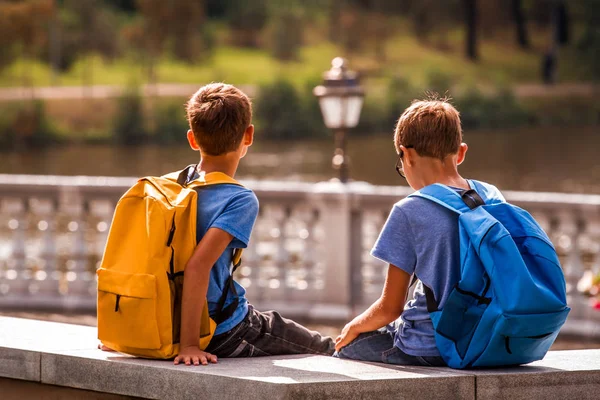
(309, 251)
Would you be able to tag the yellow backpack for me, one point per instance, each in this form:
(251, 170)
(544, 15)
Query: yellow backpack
(140, 280)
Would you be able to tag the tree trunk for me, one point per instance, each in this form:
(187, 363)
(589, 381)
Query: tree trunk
(521, 24)
(562, 23)
(471, 29)
(55, 48)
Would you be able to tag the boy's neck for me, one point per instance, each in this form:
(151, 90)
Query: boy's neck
(444, 173)
(226, 163)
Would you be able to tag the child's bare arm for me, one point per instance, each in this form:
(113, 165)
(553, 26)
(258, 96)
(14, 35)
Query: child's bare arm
(195, 287)
(385, 310)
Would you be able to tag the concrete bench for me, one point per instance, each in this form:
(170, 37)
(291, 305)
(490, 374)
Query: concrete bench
(60, 361)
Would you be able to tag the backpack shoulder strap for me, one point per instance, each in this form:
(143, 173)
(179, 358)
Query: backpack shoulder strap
(212, 178)
(184, 178)
(444, 196)
(489, 193)
(480, 193)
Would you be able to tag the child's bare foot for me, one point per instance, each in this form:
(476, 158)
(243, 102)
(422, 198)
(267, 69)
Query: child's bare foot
(104, 348)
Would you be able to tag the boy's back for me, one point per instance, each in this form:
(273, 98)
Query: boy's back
(221, 130)
(421, 238)
(231, 208)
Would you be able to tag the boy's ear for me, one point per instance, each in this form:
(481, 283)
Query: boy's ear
(192, 140)
(249, 135)
(408, 157)
(462, 153)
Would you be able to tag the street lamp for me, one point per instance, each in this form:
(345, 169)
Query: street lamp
(341, 98)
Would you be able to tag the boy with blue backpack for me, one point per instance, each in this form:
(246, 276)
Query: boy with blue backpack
(490, 287)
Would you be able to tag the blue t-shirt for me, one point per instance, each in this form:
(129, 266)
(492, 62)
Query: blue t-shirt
(421, 237)
(233, 209)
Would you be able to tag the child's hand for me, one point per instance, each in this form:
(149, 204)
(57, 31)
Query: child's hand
(105, 348)
(346, 337)
(193, 354)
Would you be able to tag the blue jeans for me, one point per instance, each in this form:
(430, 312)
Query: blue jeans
(268, 334)
(378, 346)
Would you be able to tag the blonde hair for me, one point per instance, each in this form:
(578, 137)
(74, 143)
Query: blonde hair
(218, 115)
(431, 126)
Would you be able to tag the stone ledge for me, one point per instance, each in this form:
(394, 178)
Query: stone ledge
(64, 355)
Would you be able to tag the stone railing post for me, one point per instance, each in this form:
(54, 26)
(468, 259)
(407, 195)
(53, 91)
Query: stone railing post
(335, 212)
(356, 262)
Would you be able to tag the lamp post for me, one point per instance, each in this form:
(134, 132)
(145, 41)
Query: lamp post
(340, 98)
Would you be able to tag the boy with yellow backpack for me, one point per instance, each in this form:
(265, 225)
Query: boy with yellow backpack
(165, 286)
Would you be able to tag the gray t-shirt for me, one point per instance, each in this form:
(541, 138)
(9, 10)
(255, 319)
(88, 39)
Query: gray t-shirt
(420, 237)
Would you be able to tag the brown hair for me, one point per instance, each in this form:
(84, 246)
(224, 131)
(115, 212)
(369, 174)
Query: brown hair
(218, 115)
(431, 126)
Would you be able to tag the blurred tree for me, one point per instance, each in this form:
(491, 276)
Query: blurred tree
(176, 25)
(246, 20)
(187, 24)
(80, 28)
(380, 27)
(471, 29)
(562, 22)
(347, 24)
(129, 123)
(282, 112)
(87, 27)
(541, 12)
(520, 23)
(25, 125)
(560, 36)
(7, 37)
(493, 17)
(287, 34)
(216, 9)
(362, 24)
(334, 11)
(148, 34)
(588, 46)
(127, 6)
(431, 20)
(24, 27)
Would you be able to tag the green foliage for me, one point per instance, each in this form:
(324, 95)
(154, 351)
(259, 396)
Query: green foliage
(399, 95)
(83, 27)
(479, 111)
(282, 112)
(246, 20)
(187, 26)
(589, 45)
(171, 124)
(564, 111)
(25, 125)
(128, 124)
(438, 81)
(287, 35)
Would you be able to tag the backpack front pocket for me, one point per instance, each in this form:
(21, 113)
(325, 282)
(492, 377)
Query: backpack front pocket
(127, 309)
(521, 339)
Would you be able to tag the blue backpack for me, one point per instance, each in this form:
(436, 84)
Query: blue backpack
(510, 302)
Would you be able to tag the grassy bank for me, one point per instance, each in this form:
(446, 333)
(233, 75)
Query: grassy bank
(500, 60)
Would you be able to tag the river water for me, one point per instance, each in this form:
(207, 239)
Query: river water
(548, 159)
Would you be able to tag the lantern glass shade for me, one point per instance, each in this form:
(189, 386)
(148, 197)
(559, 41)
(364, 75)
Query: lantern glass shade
(341, 112)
